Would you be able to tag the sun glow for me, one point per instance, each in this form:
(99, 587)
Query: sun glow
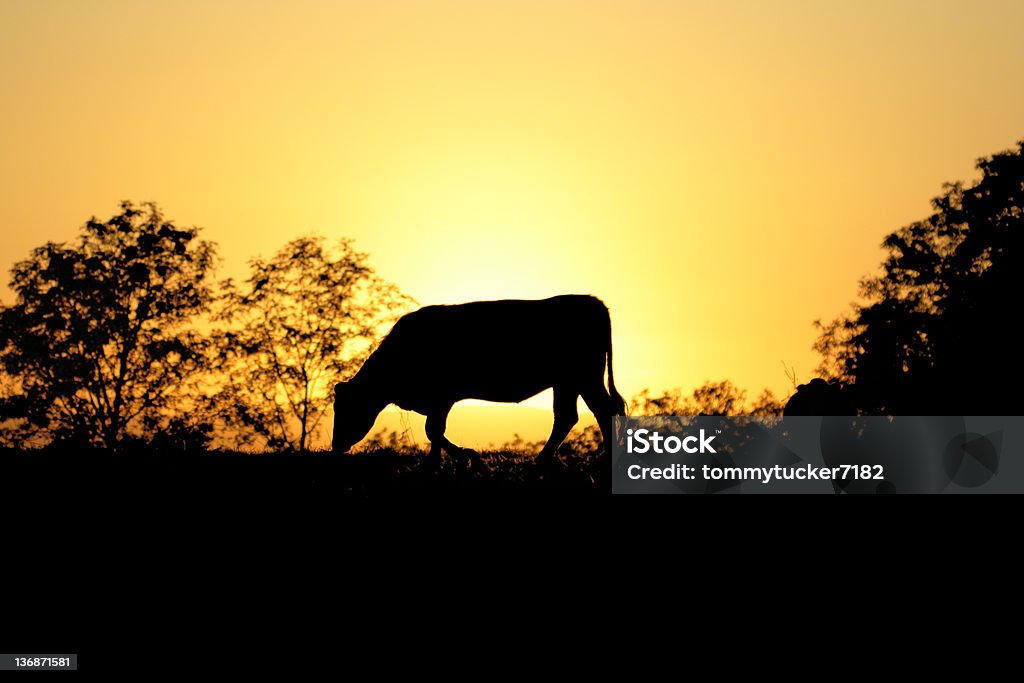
(719, 173)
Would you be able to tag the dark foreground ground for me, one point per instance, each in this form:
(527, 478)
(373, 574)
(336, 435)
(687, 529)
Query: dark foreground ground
(94, 474)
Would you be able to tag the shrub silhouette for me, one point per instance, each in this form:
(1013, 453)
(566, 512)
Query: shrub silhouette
(710, 398)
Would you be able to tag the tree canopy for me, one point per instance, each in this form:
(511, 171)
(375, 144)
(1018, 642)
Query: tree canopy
(301, 322)
(99, 339)
(936, 332)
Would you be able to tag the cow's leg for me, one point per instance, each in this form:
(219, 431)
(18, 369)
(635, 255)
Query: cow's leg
(566, 417)
(599, 401)
(437, 422)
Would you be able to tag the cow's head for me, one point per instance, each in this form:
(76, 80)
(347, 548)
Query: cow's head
(353, 417)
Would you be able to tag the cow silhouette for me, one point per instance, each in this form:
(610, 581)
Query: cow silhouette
(504, 351)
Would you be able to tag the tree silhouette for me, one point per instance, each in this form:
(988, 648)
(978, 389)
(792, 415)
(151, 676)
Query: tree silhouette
(300, 323)
(937, 333)
(97, 342)
(15, 431)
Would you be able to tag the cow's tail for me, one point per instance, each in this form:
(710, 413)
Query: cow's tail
(618, 405)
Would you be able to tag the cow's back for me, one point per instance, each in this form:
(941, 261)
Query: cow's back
(504, 350)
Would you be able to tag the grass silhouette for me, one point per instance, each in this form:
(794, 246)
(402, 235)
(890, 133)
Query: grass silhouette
(85, 474)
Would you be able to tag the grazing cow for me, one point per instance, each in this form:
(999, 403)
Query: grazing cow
(505, 351)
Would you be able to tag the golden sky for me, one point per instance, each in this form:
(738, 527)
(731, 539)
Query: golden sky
(721, 173)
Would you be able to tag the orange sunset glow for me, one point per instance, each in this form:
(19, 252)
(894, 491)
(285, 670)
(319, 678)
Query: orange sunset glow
(721, 174)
